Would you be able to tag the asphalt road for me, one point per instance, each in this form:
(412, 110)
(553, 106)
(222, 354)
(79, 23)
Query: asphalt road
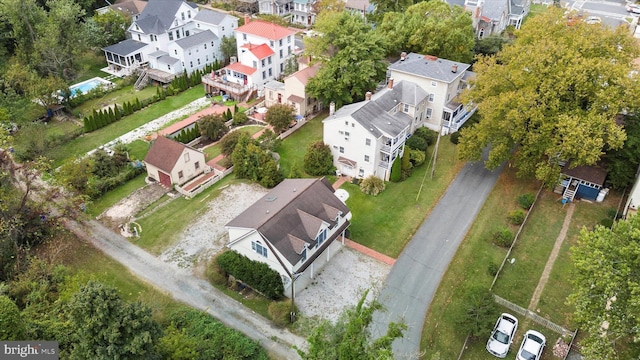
(186, 288)
(414, 279)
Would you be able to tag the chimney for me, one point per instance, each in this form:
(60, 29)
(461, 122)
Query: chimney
(403, 56)
(454, 68)
(332, 108)
(390, 83)
(247, 19)
(367, 96)
(430, 57)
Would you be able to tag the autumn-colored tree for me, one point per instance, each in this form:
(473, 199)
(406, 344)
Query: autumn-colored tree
(559, 105)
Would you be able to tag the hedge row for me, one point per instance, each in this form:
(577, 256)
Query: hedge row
(257, 275)
(188, 135)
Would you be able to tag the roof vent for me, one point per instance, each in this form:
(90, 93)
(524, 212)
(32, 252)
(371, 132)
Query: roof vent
(294, 189)
(267, 211)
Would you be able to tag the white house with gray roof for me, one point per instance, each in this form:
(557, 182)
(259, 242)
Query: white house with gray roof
(295, 229)
(170, 37)
(366, 137)
(443, 80)
(491, 17)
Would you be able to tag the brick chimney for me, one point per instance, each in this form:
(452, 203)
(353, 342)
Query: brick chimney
(247, 19)
(454, 68)
(367, 96)
(390, 83)
(403, 56)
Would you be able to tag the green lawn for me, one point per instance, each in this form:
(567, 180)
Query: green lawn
(92, 140)
(294, 147)
(138, 149)
(517, 282)
(167, 223)
(111, 197)
(90, 65)
(386, 222)
(119, 96)
(213, 151)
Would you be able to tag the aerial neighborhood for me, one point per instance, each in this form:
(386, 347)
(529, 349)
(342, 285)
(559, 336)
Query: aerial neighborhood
(319, 179)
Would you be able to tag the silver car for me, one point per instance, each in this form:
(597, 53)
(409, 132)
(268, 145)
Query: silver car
(532, 346)
(502, 335)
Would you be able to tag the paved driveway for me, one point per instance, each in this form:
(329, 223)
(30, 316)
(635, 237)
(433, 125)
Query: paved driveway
(415, 277)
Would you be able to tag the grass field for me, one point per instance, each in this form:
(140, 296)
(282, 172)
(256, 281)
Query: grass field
(111, 197)
(120, 96)
(294, 147)
(386, 222)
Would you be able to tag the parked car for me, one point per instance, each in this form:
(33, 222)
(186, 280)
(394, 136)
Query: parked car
(502, 335)
(633, 8)
(532, 346)
(593, 20)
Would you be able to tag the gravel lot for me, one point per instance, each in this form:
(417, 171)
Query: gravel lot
(340, 284)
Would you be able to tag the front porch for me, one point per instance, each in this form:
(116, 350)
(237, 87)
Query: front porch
(455, 115)
(213, 84)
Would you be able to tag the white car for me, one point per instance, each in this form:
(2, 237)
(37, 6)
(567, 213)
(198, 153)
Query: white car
(502, 335)
(633, 8)
(532, 346)
(593, 20)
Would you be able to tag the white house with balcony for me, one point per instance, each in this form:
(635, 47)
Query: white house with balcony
(295, 229)
(263, 51)
(443, 80)
(169, 37)
(491, 17)
(366, 137)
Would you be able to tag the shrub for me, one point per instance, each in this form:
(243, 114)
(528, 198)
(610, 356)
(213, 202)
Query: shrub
(608, 223)
(503, 237)
(480, 310)
(257, 275)
(455, 137)
(318, 160)
(417, 157)
(240, 118)
(372, 185)
(493, 269)
(396, 171)
(526, 200)
(280, 312)
(427, 135)
(516, 217)
(417, 143)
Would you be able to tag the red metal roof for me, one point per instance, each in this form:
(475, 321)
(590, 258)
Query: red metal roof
(265, 29)
(260, 51)
(244, 69)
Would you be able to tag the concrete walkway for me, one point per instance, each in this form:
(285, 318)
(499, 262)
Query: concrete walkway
(414, 279)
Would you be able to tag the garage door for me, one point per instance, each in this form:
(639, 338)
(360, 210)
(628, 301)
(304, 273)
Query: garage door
(165, 179)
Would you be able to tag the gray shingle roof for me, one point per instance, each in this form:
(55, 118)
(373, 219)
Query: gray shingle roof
(197, 39)
(210, 16)
(125, 47)
(429, 67)
(493, 9)
(166, 59)
(290, 215)
(158, 15)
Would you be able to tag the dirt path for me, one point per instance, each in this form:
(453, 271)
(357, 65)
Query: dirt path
(186, 288)
(552, 258)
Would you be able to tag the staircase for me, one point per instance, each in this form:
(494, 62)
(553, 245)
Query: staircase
(569, 192)
(249, 95)
(142, 81)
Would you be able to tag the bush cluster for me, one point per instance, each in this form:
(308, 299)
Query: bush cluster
(372, 185)
(503, 237)
(526, 200)
(259, 276)
(187, 135)
(516, 217)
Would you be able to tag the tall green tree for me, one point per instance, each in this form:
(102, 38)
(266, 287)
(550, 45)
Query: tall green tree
(622, 164)
(387, 6)
(12, 324)
(318, 159)
(350, 337)
(228, 47)
(279, 116)
(212, 126)
(430, 28)
(538, 111)
(106, 28)
(606, 285)
(109, 328)
(351, 54)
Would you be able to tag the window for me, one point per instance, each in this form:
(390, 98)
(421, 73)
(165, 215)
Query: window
(406, 107)
(366, 158)
(280, 53)
(197, 165)
(431, 97)
(361, 173)
(346, 133)
(186, 157)
(346, 123)
(272, 43)
(258, 248)
(269, 60)
(182, 15)
(137, 28)
(322, 236)
(280, 42)
(168, 67)
(205, 46)
(281, 67)
(175, 51)
(367, 142)
(198, 61)
(429, 111)
(189, 14)
(170, 35)
(353, 125)
(303, 255)
(191, 63)
(212, 44)
(433, 83)
(206, 58)
(189, 51)
(340, 132)
(341, 150)
(223, 28)
(255, 64)
(289, 39)
(198, 25)
(139, 38)
(264, 75)
(177, 34)
(270, 72)
(180, 174)
(262, 62)
(244, 37)
(187, 33)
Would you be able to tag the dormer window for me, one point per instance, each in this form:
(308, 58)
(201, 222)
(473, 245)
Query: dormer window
(137, 28)
(303, 255)
(321, 237)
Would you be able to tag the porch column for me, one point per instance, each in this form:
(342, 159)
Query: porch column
(342, 237)
(328, 253)
(311, 270)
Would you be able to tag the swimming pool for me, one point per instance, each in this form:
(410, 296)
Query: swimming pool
(89, 85)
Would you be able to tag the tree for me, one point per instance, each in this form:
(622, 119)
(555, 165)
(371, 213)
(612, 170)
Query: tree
(606, 284)
(479, 313)
(228, 47)
(106, 28)
(372, 185)
(537, 115)
(12, 324)
(212, 126)
(622, 164)
(490, 45)
(351, 54)
(240, 117)
(253, 163)
(109, 328)
(350, 337)
(387, 6)
(336, 6)
(318, 159)
(229, 142)
(279, 116)
(444, 31)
